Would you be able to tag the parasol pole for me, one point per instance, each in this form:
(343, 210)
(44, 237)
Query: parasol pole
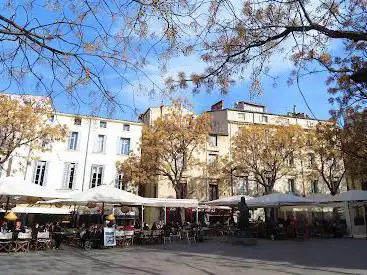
(7, 204)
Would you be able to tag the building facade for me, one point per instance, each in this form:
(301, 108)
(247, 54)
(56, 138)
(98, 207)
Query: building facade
(88, 156)
(85, 159)
(226, 123)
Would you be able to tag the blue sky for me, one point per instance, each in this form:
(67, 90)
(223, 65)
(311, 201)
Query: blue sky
(278, 96)
(277, 99)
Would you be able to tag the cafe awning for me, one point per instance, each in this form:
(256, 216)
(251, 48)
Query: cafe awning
(18, 187)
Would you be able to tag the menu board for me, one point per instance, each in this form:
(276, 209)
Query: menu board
(109, 236)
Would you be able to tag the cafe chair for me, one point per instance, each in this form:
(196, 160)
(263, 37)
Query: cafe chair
(120, 238)
(129, 237)
(23, 242)
(6, 242)
(190, 237)
(43, 241)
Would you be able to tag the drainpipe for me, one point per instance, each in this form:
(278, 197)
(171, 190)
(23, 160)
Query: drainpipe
(86, 154)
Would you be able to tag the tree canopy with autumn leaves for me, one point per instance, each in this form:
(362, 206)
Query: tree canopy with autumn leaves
(264, 151)
(24, 121)
(169, 149)
(242, 38)
(73, 48)
(326, 143)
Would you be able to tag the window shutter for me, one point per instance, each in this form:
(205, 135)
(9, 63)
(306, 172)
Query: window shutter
(46, 174)
(102, 177)
(65, 175)
(95, 144)
(129, 146)
(104, 144)
(77, 148)
(34, 170)
(75, 176)
(118, 151)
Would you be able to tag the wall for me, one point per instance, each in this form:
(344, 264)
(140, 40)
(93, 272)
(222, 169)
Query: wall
(84, 155)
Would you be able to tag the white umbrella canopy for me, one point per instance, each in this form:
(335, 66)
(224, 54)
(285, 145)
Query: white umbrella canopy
(102, 194)
(170, 202)
(277, 199)
(320, 198)
(16, 186)
(351, 195)
(228, 201)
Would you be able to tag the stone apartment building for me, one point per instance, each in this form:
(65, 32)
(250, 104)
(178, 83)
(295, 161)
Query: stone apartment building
(225, 124)
(85, 159)
(88, 156)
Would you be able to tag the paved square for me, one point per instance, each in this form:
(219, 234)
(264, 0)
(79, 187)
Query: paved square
(324, 257)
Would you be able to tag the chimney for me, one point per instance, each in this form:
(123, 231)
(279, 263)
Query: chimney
(218, 106)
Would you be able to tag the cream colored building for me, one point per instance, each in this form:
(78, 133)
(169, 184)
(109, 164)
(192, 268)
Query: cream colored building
(225, 125)
(85, 159)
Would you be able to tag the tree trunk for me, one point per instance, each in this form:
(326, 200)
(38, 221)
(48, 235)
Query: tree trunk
(180, 211)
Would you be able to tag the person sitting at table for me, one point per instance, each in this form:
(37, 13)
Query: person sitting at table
(154, 226)
(18, 228)
(4, 227)
(57, 235)
(35, 231)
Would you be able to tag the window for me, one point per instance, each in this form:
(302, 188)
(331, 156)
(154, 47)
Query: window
(291, 160)
(264, 119)
(242, 116)
(213, 192)
(100, 144)
(126, 127)
(243, 186)
(103, 124)
(314, 186)
(180, 161)
(124, 148)
(70, 175)
(212, 158)
(291, 188)
(96, 176)
(119, 181)
(39, 173)
(183, 190)
(73, 141)
(77, 121)
(285, 121)
(359, 215)
(213, 140)
(364, 185)
(311, 159)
